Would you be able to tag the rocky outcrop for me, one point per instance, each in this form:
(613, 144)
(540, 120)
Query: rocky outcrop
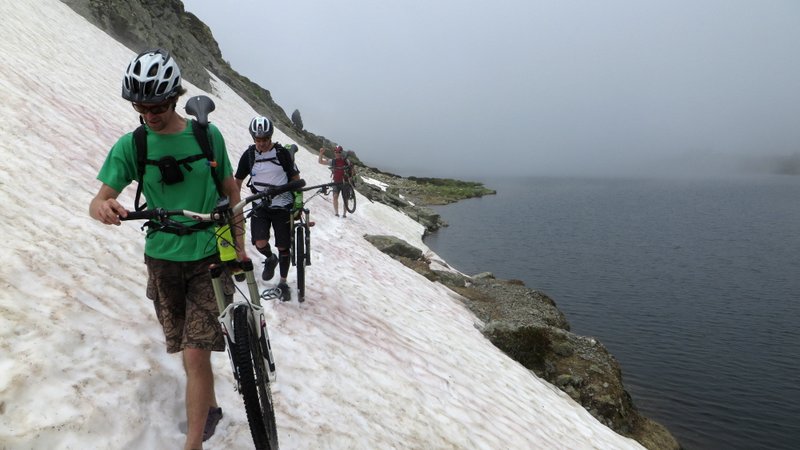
(392, 197)
(527, 326)
(412, 195)
(145, 24)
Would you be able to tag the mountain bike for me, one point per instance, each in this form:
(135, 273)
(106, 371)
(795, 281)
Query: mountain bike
(243, 323)
(301, 238)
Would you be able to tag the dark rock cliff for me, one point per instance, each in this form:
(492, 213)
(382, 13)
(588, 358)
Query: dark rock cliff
(145, 24)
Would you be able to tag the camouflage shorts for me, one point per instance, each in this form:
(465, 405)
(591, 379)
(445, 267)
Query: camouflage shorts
(184, 301)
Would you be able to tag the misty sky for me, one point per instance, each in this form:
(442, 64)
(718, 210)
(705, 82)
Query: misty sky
(467, 88)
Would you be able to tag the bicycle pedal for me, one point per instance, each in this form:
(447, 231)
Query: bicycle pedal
(270, 293)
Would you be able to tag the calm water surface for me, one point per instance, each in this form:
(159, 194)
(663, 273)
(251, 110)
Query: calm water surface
(692, 285)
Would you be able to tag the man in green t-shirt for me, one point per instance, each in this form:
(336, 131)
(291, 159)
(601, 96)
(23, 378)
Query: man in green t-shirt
(177, 265)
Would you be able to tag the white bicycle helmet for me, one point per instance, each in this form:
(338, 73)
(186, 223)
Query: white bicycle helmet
(260, 127)
(152, 77)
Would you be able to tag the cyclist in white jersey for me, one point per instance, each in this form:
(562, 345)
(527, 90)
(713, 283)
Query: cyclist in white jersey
(267, 164)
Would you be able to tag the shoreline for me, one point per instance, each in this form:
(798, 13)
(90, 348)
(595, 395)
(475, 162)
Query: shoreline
(524, 323)
(528, 327)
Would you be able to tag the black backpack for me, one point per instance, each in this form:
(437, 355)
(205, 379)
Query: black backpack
(283, 158)
(169, 166)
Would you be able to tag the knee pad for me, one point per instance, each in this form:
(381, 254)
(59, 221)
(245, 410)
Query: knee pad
(265, 250)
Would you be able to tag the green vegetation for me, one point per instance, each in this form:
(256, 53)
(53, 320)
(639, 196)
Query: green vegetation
(440, 191)
(424, 191)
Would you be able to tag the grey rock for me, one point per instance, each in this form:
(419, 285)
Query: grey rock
(394, 246)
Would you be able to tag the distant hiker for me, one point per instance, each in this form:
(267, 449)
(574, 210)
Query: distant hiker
(177, 264)
(341, 171)
(268, 164)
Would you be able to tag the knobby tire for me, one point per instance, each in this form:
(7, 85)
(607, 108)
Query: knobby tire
(254, 382)
(349, 198)
(300, 258)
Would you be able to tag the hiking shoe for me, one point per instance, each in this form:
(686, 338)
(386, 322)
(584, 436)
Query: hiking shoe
(269, 267)
(286, 293)
(214, 416)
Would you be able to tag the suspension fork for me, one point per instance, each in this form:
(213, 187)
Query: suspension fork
(293, 225)
(307, 226)
(257, 312)
(217, 270)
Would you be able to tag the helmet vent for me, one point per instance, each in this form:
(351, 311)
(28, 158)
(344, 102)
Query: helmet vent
(153, 70)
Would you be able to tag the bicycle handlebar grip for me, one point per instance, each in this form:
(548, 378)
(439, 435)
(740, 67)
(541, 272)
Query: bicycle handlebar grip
(290, 186)
(295, 184)
(139, 215)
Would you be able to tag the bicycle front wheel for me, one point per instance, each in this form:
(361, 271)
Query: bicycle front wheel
(300, 258)
(349, 198)
(249, 363)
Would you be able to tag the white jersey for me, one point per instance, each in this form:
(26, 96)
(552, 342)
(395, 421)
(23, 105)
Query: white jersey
(267, 170)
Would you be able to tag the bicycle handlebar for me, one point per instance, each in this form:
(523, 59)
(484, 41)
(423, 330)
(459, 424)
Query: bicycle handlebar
(318, 186)
(220, 213)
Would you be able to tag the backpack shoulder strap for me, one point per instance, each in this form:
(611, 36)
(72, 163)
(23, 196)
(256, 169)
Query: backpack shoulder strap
(204, 140)
(140, 145)
(285, 159)
(251, 159)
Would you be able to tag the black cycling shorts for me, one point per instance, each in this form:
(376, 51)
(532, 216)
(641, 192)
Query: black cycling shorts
(278, 219)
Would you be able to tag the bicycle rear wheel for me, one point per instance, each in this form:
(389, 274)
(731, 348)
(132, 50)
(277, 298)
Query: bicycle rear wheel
(249, 361)
(300, 258)
(349, 198)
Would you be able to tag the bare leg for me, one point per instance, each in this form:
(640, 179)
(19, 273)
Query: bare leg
(200, 394)
(336, 203)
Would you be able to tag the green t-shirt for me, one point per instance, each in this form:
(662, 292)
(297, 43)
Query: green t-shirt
(197, 192)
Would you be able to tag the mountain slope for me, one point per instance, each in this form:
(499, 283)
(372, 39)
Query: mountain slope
(377, 357)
